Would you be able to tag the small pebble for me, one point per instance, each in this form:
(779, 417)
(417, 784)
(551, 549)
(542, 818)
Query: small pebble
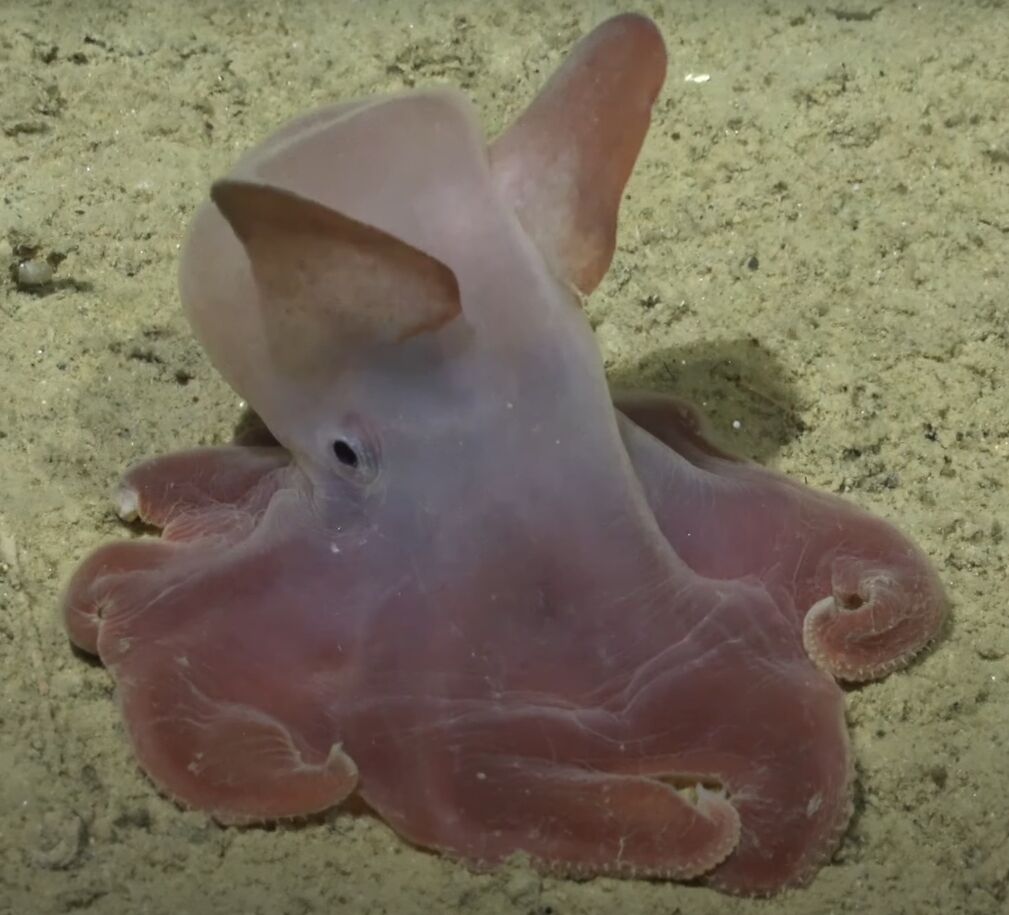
(34, 273)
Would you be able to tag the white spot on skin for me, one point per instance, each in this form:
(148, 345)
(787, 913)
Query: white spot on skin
(127, 504)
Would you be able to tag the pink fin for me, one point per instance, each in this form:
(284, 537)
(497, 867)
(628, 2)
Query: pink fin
(564, 163)
(327, 281)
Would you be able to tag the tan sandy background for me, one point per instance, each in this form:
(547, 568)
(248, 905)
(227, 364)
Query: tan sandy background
(814, 245)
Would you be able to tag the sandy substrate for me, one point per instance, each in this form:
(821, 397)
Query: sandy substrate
(814, 247)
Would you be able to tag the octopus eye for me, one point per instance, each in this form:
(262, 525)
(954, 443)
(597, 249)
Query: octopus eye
(345, 453)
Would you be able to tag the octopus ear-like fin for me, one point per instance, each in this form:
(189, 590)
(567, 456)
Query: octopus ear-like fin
(565, 161)
(326, 281)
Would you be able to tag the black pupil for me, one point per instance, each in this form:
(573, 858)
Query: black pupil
(344, 453)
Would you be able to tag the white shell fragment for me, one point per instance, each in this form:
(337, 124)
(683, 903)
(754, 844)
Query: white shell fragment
(34, 273)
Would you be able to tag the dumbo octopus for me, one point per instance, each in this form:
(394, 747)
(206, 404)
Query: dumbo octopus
(461, 584)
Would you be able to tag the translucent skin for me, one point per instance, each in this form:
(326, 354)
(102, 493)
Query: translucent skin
(531, 687)
(445, 589)
(865, 598)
